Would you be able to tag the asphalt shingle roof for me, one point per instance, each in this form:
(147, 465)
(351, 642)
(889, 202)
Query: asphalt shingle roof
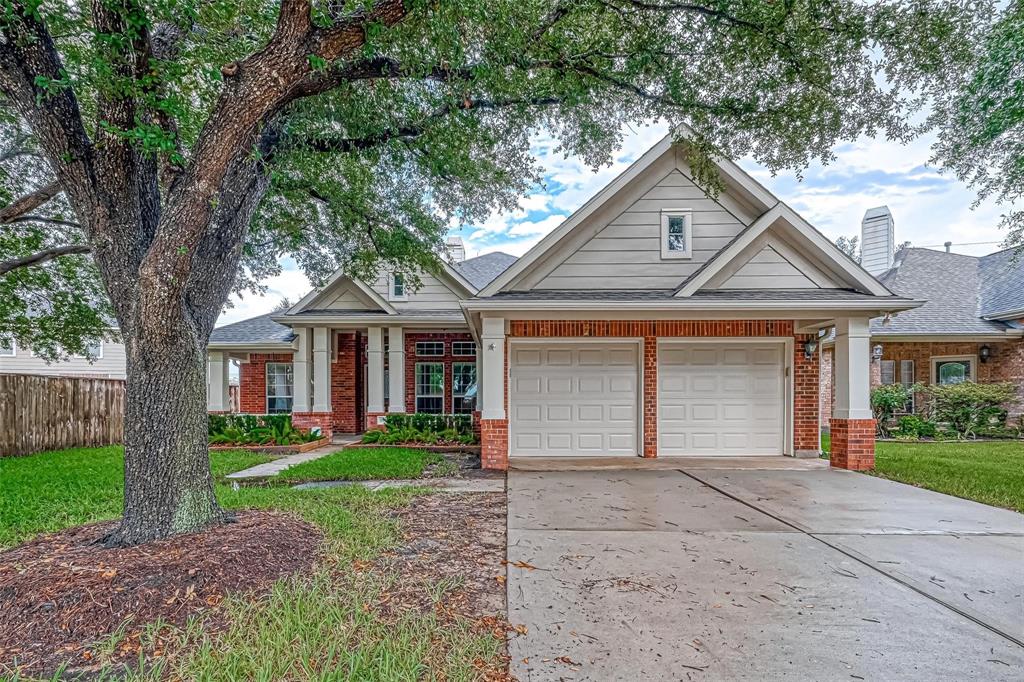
(956, 288)
(260, 329)
(1002, 282)
(482, 270)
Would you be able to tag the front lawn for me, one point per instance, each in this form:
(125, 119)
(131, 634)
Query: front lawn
(362, 464)
(50, 491)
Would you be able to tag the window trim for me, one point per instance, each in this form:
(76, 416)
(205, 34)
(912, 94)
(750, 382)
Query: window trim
(98, 356)
(416, 387)
(266, 388)
(13, 352)
(392, 296)
(455, 344)
(463, 394)
(687, 215)
(429, 355)
(935, 360)
(897, 365)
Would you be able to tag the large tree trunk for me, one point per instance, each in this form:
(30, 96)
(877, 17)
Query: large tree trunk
(168, 486)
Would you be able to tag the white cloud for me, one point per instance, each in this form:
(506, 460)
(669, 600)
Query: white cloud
(292, 284)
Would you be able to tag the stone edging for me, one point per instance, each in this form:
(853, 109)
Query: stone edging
(275, 449)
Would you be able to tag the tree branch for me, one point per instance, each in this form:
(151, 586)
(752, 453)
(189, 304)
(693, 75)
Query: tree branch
(29, 202)
(41, 257)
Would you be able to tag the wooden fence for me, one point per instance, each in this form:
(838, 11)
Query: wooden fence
(50, 413)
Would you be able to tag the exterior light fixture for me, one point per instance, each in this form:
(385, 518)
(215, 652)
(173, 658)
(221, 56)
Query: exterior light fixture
(809, 347)
(984, 353)
(876, 353)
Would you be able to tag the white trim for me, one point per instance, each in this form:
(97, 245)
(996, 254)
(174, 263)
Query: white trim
(14, 350)
(406, 320)
(476, 379)
(266, 388)
(416, 386)
(585, 340)
(788, 389)
(417, 353)
(1011, 314)
(666, 216)
(880, 304)
(392, 296)
(476, 347)
(829, 252)
(338, 275)
(933, 361)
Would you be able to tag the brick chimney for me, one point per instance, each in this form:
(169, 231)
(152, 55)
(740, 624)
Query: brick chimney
(456, 249)
(877, 240)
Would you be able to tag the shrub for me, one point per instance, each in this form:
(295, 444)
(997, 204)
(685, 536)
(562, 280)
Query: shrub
(256, 429)
(912, 426)
(967, 405)
(885, 401)
(427, 429)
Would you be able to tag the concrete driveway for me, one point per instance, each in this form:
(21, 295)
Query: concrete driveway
(759, 574)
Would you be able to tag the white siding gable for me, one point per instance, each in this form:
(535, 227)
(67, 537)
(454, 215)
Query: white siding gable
(345, 299)
(111, 365)
(772, 261)
(626, 252)
(432, 294)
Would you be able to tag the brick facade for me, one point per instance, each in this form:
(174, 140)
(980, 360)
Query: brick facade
(308, 420)
(252, 381)
(347, 402)
(806, 403)
(494, 444)
(853, 444)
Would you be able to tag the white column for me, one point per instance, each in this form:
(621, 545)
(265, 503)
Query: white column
(375, 370)
(396, 370)
(300, 370)
(217, 391)
(492, 370)
(321, 369)
(852, 371)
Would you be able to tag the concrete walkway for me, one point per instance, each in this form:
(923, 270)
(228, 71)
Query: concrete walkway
(276, 466)
(716, 574)
(447, 485)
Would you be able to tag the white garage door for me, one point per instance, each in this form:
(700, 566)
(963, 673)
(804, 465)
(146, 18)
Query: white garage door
(720, 399)
(568, 399)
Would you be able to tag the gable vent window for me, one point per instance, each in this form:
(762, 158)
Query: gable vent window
(397, 290)
(464, 348)
(676, 233)
(430, 348)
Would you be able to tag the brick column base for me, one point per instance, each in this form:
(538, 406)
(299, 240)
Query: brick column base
(309, 420)
(476, 425)
(494, 444)
(371, 421)
(853, 444)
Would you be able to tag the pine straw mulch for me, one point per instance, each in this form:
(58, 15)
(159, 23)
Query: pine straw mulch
(452, 561)
(60, 593)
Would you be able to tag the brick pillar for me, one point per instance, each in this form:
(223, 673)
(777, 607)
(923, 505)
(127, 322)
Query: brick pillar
(853, 444)
(494, 444)
(650, 398)
(806, 386)
(308, 420)
(476, 425)
(371, 421)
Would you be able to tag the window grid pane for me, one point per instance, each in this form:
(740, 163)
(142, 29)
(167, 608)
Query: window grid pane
(430, 348)
(465, 348)
(280, 382)
(463, 377)
(888, 372)
(907, 379)
(676, 233)
(430, 387)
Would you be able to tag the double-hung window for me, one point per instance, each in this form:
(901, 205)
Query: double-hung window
(396, 288)
(463, 380)
(94, 351)
(953, 370)
(464, 348)
(8, 349)
(280, 387)
(905, 378)
(430, 387)
(676, 233)
(430, 348)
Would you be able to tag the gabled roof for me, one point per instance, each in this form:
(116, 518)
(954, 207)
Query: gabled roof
(960, 291)
(255, 330)
(782, 217)
(338, 277)
(480, 271)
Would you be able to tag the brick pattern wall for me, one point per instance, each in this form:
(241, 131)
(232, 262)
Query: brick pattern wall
(806, 404)
(252, 381)
(411, 359)
(853, 444)
(650, 425)
(347, 383)
(372, 421)
(826, 390)
(309, 420)
(494, 444)
(638, 328)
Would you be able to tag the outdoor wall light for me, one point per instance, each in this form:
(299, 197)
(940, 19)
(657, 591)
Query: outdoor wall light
(876, 353)
(809, 348)
(984, 353)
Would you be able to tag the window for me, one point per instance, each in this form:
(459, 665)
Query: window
(430, 387)
(430, 348)
(280, 382)
(953, 370)
(396, 290)
(906, 378)
(463, 387)
(676, 233)
(93, 351)
(466, 348)
(8, 349)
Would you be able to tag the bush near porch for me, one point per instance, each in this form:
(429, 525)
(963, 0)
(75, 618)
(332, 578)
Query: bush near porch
(951, 411)
(424, 429)
(257, 429)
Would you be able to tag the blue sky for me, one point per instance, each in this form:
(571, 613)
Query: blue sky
(929, 208)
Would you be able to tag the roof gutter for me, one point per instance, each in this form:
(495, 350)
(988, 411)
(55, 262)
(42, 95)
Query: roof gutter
(363, 320)
(686, 304)
(1016, 314)
(244, 346)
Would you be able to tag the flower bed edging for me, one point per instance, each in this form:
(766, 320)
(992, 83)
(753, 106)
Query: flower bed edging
(276, 449)
(469, 449)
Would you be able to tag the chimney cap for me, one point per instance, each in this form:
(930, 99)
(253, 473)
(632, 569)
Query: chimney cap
(948, 245)
(877, 212)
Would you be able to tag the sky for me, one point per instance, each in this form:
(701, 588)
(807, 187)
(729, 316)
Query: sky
(928, 208)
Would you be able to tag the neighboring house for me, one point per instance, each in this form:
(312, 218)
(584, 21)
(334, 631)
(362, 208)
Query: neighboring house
(657, 320)
(106, 359)
(971, 327)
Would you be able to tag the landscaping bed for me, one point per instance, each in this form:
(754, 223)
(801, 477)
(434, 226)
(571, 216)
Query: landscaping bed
(275, 450)
(261, 432)
(444, 431)
(367, 464)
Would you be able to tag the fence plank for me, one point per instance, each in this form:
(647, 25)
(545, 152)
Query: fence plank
(40, 413)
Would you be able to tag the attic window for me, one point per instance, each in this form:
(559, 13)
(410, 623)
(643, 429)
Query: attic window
(396, 292)
(676, 233)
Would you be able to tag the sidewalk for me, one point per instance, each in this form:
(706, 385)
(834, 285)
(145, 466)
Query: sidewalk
(276, 466)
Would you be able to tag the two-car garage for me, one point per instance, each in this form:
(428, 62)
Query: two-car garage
(583, 397)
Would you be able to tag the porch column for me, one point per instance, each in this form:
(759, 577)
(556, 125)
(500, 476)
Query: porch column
(493, 420)
(374, 376)
(321, 369)
(852, 424)
(300, 371)
(217, 391)
(396, 370)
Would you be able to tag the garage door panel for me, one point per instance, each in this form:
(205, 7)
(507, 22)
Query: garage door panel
(526, 357)
(526, 385)
(529, 413)
(725, 399)
(589, 402)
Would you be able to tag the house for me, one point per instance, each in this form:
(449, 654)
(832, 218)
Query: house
(658, 320)
(105, 359)
(971, 326)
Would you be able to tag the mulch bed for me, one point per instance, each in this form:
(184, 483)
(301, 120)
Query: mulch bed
(457, 539)
(61, 593)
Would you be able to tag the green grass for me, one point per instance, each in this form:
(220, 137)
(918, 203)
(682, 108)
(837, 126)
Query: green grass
(50, 491)
(362, 464)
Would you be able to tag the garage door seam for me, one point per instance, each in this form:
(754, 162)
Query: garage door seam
(853, 555)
